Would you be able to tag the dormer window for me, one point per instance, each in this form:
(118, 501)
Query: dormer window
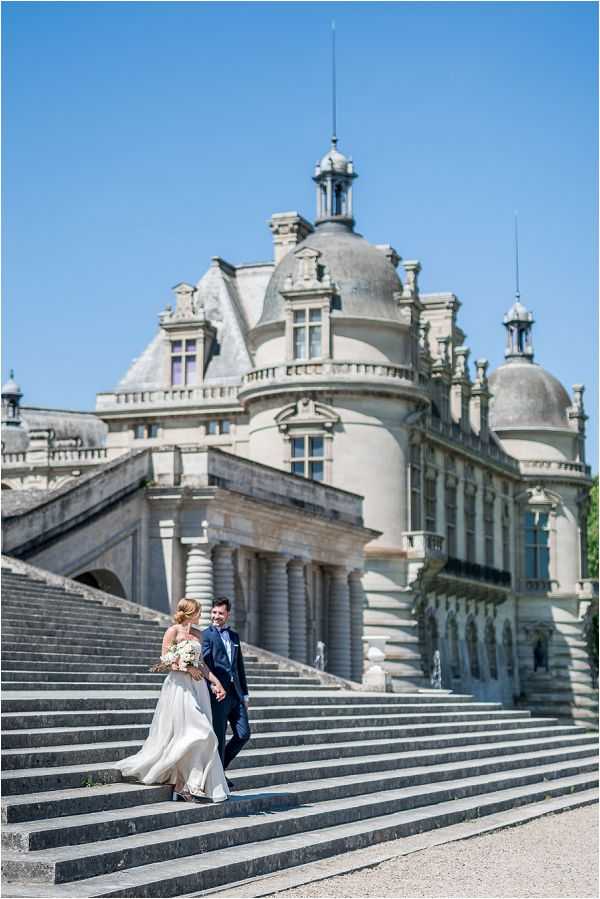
(183, 362)
(307, 333)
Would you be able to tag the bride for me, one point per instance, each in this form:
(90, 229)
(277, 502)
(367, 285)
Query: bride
(181, 748)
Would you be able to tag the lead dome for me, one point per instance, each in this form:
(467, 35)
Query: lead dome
(525, 396)
(365, 281)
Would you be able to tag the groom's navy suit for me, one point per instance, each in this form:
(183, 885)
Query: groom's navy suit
(232, 676)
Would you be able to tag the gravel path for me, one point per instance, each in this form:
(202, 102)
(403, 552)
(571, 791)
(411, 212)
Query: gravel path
(553, 856)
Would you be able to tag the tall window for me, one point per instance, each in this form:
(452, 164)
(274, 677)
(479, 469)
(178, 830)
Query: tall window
(308, 457)
(451, 500)
(183, 362)
(452, 636)
(488, 529)
(415, 487)
(507, 645)
(430, 503)
(307, 333)
(470, 493)
(537, 551)
(505, 536)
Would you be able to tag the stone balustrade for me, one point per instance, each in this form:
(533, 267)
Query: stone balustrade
(55, 457)
(555, 467)
(423, 543)
(329, 369)
(587, 588)
(452, 432)
(209, 394)
(537, 585)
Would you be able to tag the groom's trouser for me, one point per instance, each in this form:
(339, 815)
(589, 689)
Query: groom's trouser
(233, 710)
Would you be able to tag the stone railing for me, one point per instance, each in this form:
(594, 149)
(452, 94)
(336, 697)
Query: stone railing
(537, 585)
(14, 458)
(452, 431)
(42, 456)
(329, 369)
(554, 467)
(475, 572)
(587, 588)
(209, 394)
(423, 543)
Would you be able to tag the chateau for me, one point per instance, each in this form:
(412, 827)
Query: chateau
(311, 436)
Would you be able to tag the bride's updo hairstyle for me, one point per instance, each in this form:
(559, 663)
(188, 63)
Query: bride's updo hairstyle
(186, 609)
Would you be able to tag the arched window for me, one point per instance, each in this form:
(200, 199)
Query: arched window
(490, 648)
(452, 638)
(507, 645)
(472, 649)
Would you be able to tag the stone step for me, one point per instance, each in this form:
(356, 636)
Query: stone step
(64, 754)
(304, 716)
(85, 612)
(254, 674)
(254, 684)
(41, 659)
(104, 630)
(65, 700)
(92, 860)
(109, 825)
(85, 800)
(58, 756)
(101, 665)
(40, 737)
(36, 779)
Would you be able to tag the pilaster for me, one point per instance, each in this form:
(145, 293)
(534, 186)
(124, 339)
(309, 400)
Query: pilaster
(276, 608)
(357, 601)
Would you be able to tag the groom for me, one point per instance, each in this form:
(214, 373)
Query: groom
(222, 652)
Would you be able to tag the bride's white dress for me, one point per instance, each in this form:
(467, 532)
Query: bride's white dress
(181, 747)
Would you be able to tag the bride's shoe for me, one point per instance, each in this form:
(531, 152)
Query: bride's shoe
(181, 797)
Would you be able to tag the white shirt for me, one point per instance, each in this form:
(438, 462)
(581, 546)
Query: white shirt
(226, 642)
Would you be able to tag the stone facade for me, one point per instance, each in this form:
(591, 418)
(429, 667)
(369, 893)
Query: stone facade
(328, 365)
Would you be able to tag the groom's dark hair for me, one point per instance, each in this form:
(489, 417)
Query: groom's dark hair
(222, 601)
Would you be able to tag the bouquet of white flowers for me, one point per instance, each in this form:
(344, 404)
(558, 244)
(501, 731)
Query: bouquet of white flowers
(182, 654)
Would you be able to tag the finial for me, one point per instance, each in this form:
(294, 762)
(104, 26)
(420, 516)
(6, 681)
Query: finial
(333, 85)
(11, 374)
(517, 291)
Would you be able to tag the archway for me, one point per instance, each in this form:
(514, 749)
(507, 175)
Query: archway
(490, 647)
(102, 579)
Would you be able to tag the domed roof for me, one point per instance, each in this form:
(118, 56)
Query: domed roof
(11, 388)
(518, 312)
(334, 161)
(526, 396)
(365, 281)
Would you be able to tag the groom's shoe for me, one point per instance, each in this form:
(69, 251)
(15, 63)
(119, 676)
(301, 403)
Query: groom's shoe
(230, 784)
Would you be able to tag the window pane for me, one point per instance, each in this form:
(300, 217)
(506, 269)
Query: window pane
(139, 432)
(543, 560)
(314, 315)
(529, 520)
(190, 346)
(315, 341)
(300, 315)
(298, 447)
(316, 471)
(176, 346)
(298, 468)
(176, 370)
(190, 369)
(530, 566)
(316, 446)
(225, 426)
(152, 430)
(299, 343)
(213, 426)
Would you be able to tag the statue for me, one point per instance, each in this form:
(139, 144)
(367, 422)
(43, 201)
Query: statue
(320, 658)
(436, 671)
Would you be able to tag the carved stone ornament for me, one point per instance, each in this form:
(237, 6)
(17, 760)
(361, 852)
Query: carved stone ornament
(187, 307)
(307, 412)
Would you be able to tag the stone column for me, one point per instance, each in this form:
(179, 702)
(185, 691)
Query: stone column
(224, 576)
(338, 648)
(199, 578)
(297, 594)
(275, 610)
(356, 625)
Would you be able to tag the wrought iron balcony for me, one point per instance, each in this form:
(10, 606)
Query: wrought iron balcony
(473, 571)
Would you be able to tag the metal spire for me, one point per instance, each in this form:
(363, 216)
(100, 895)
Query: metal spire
(517, 292)
(333, 84)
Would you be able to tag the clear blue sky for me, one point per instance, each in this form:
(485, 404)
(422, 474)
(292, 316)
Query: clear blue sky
(140, 139)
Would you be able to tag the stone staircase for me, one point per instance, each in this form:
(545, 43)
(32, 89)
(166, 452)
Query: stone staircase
(328, 769)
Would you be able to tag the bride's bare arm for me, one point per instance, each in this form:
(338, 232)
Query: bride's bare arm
(169, 637)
